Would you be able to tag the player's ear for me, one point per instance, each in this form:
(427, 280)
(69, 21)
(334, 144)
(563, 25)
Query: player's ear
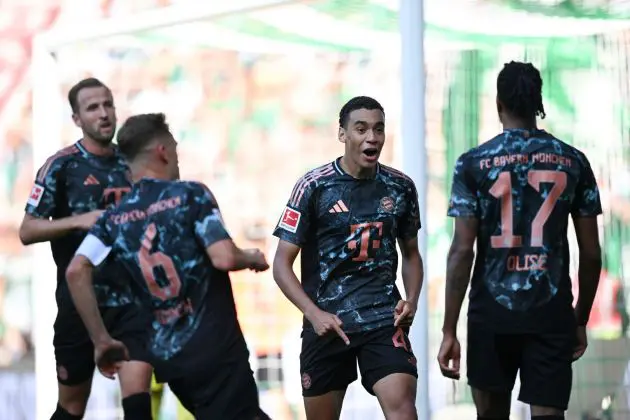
(499, 106)
(341, 135)
(75, 118)
(161, 152)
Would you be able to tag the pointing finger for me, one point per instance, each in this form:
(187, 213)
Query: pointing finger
(342, 334)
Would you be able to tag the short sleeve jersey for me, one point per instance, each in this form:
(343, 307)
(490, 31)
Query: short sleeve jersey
(72, 182)
(159, 234)
(347, 230)
(523, 186)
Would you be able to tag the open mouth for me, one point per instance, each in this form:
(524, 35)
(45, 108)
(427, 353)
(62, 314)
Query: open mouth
(371, 152)
(106, 125)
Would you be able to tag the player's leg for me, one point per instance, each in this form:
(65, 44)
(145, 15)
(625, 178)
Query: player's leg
(130, 325)
(74, 354)
(388, 370)
(135, 385)
(546, 375)
(226, 392)
(493, 361)
(327, 367)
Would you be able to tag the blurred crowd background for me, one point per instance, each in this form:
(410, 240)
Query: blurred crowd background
(250, 120)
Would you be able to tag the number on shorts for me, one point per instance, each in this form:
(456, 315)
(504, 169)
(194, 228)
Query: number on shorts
(399, 339)
(502, 189)
(150, 261)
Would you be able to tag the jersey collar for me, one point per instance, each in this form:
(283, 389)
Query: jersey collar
(340, 171)
(85, 152)
(523, 132)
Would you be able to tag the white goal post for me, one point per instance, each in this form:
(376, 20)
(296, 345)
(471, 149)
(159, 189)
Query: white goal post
(48, 123)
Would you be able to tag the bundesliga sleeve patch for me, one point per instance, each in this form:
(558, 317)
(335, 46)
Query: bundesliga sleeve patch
(37, 192)
(290, 220)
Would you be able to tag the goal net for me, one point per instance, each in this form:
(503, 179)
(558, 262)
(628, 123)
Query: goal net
(253, 97)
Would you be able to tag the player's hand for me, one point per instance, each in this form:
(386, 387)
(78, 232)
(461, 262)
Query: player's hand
(449, 356)
(109, 355)
(325, 323)
(258, 262)
(582, 343)
(86, 220)
(404, 313)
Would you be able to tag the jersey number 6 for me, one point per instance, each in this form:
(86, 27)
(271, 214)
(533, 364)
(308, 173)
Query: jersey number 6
(150, 261)
(502, 189)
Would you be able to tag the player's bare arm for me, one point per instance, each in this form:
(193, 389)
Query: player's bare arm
(34, 229)
(458, 267)
(590, 265)
(412, 270)
(79, 277)
(109, 353)
(226, 256)
(323, 322)
(589, 270)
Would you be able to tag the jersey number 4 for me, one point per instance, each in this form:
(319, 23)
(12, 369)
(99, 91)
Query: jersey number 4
(502, 189)
(150, 261)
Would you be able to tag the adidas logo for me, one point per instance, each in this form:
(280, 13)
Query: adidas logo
(339, 207)
(91, 180)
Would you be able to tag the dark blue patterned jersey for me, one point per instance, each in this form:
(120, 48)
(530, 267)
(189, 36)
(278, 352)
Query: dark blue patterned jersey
(159, 233)
(347, 230)
(71, 182)
(523, 186)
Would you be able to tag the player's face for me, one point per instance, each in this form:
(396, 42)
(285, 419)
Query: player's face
(96, 115)
(364, 136)
(173, 158)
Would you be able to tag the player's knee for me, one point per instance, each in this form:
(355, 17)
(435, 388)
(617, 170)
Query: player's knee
(492, 405)
(546, 413)
(397, 394)
(63, 414)
(73, 399)
(137, 407)
(324, 407)
(135, 378)
(404, 411)
(492, 412)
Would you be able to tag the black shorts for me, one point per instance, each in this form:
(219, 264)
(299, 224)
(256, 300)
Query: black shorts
(544, 362)
(227, 393)
(74, 352)
(327, 364)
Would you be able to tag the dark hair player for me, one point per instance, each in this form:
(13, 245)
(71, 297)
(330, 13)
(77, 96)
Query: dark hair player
(514, 195)
(346, 218)
(71, 190)
(169, 239)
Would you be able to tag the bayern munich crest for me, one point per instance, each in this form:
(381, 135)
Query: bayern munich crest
(306, 381)
(387, 204)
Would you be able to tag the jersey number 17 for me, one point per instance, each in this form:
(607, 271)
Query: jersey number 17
(502, 189)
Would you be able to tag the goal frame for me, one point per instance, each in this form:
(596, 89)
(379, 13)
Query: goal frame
(47, 139)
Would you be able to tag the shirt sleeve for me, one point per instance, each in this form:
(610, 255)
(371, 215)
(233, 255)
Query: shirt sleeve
(97, 245)
(296, 218)
(464, 201)
(410, 222)
(41, 202)
(586, 202)
(209, 226)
